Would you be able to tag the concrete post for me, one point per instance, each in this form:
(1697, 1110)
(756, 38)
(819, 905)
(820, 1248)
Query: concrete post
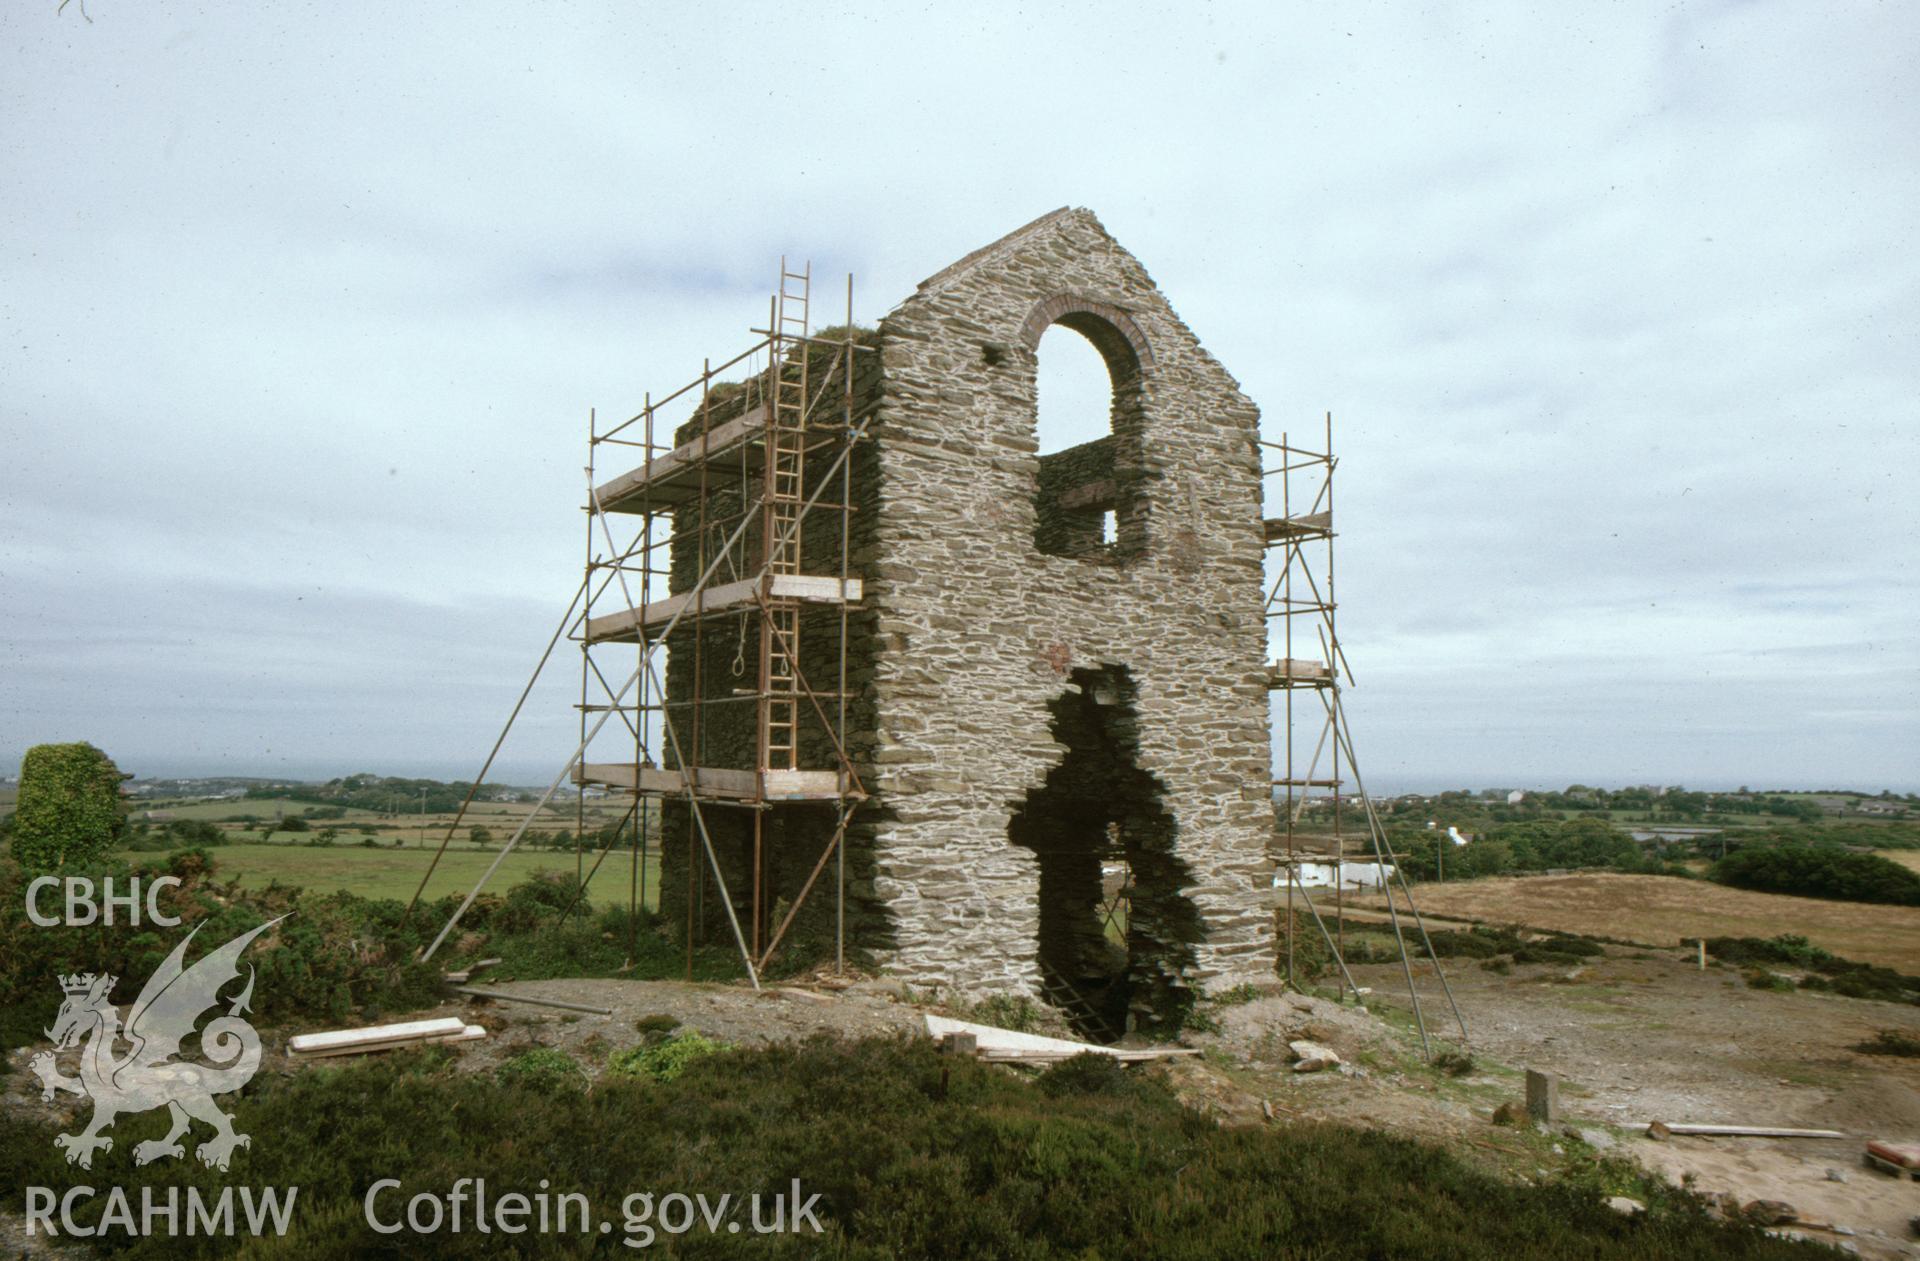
(1543, 1097)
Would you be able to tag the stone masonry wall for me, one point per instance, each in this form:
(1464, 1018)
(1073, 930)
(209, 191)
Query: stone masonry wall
(1076, 489)
(976, 629)
(725, 733)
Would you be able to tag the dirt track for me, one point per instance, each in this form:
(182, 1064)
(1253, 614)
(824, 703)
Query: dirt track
(1642, 1036)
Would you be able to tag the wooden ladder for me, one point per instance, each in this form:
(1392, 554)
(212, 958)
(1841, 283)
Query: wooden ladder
(1080, 1013)
(785, 495)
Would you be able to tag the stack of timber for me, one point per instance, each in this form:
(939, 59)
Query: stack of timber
(314, 1046)
(1902, 1160)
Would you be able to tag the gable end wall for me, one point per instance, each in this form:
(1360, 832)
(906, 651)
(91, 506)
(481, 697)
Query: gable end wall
(976, 630)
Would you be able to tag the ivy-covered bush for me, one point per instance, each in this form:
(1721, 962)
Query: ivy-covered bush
(544, 1069)
(663, 1061)
(69, 811)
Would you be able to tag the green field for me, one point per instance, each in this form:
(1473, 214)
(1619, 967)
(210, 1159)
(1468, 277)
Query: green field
(489, 813)
(395, 873)
(233, 807)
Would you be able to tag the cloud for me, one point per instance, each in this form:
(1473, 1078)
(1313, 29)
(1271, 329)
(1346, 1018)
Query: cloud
(1614, 308)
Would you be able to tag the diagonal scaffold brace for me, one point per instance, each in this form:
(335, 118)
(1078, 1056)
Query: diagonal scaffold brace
(647, 667)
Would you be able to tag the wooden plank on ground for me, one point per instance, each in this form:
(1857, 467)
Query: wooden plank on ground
(1007, 1045)
(374, 1035)
(471, 1033)
(1743, 1131)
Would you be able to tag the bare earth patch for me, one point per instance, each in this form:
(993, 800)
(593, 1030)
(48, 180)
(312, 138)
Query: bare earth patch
(1662, 910)
(1638, 1037)
(1908, 858)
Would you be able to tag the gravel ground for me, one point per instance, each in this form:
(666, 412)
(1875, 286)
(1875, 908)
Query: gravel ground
(1638, 1036)
(727, 1013)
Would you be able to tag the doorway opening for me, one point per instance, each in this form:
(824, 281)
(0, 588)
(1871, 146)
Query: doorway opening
(1116, 933)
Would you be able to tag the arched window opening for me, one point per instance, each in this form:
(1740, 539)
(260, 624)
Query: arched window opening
(1072, 391)
(1086, 423)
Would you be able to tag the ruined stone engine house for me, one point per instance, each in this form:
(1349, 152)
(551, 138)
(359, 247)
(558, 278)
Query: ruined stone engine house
(992, 720)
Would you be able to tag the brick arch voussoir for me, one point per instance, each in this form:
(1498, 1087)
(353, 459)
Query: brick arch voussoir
(1110, 328)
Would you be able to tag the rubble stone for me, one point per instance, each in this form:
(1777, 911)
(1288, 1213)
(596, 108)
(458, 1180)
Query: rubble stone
(1004, 647)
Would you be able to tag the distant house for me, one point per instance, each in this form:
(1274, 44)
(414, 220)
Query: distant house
(1347, 874)
(1515, 797)
(1885, 809)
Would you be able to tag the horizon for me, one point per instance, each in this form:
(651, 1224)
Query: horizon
(521, 776)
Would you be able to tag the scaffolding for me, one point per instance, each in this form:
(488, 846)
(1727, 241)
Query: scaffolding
(738, 472)
(740, 516)
(1306, 680)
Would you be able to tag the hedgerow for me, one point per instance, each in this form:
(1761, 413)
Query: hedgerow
(1820, 871)
(1824, 971)
(333, 957)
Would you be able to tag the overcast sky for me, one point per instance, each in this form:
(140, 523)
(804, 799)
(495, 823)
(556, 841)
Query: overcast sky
(304, 307)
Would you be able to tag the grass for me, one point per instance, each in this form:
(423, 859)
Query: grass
(1800, 1073)
(491, 814)
(1366, 943)
(664, 1060)
(912, 1154)
(1890, 1042)
(597, 946)
(1660, 910)
(386, 872)
(214, 811)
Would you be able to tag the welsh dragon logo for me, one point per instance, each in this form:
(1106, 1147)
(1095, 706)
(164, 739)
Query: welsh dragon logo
(148, 1075)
